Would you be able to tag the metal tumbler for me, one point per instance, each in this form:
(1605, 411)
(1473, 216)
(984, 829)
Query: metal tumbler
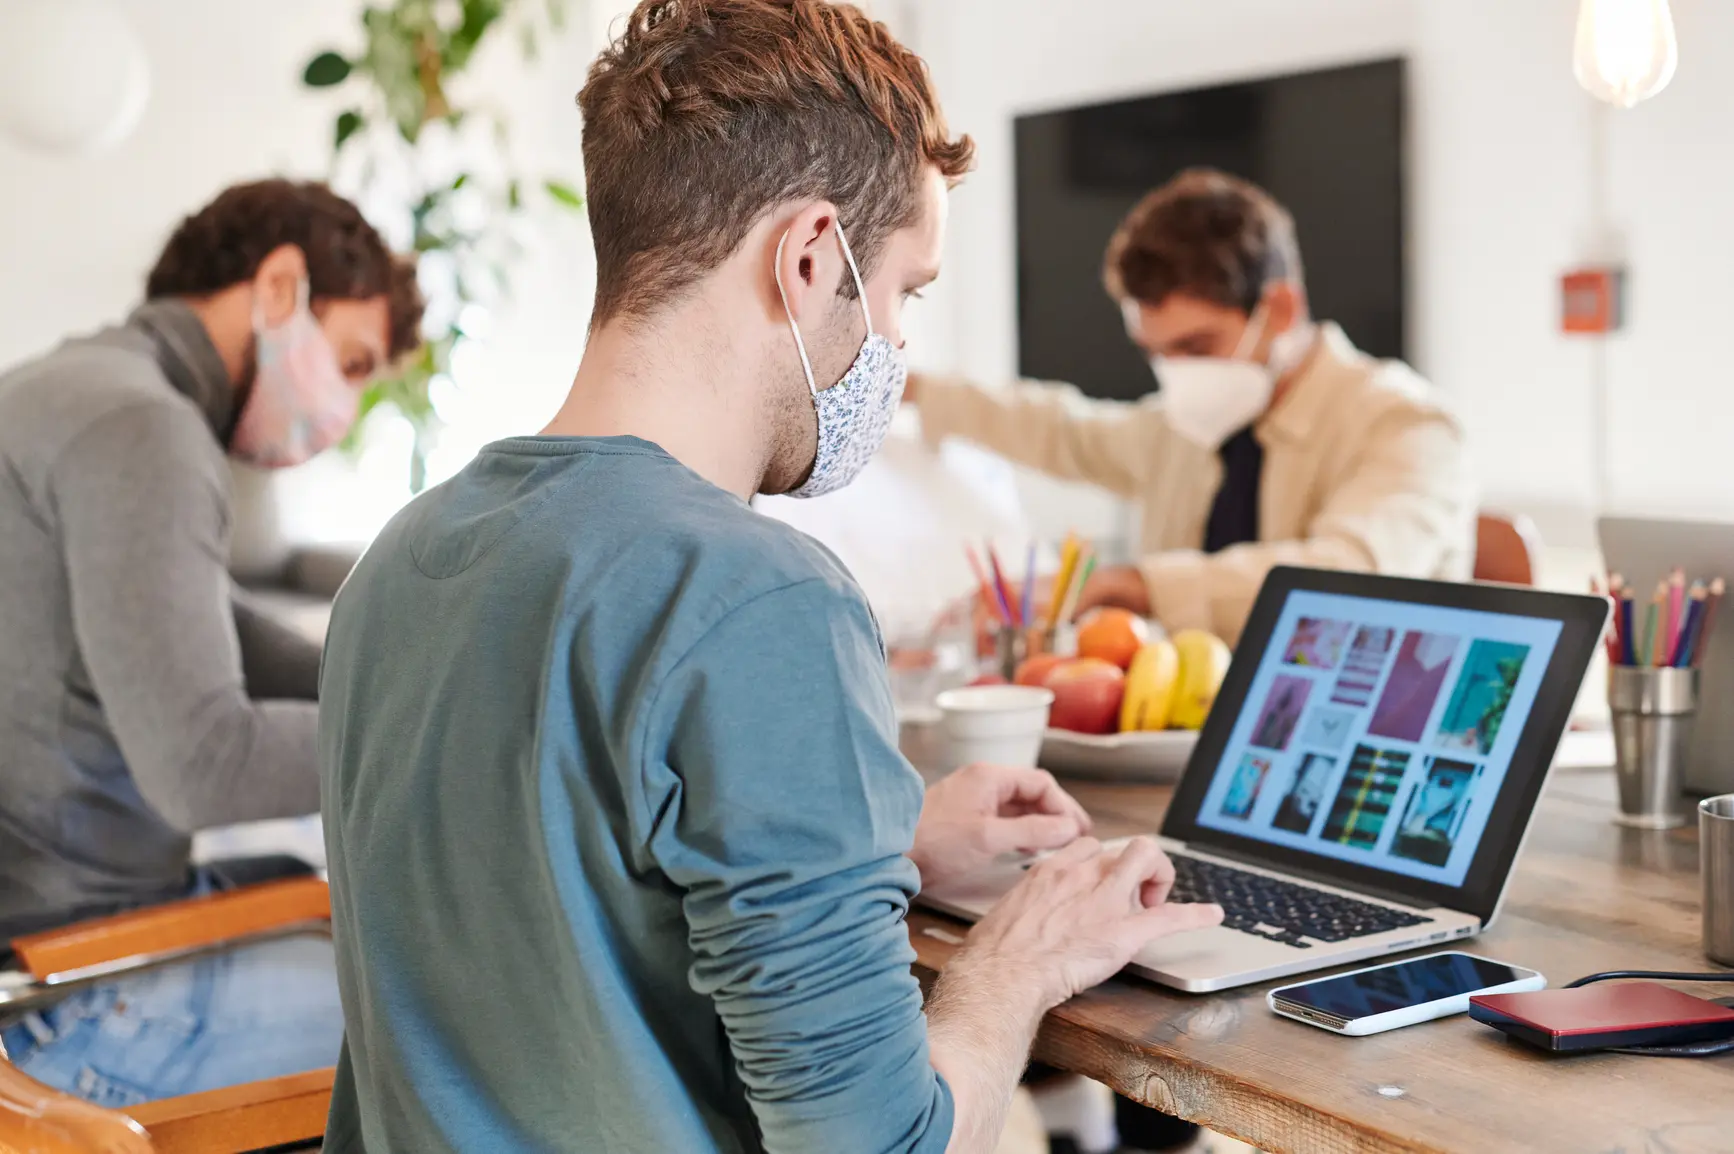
(1716, 857)
(1653, 710)
(1011, 646)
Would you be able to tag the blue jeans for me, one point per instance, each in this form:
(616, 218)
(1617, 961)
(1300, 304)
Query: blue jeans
(221, 1020)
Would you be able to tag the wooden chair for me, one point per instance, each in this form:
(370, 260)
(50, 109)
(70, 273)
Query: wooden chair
(256, 1116)
(1507, 549)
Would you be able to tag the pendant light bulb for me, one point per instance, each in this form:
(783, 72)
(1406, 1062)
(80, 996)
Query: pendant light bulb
(1626, 50)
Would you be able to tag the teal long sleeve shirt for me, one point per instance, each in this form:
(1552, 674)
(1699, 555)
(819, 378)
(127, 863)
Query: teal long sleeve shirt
(617, 827)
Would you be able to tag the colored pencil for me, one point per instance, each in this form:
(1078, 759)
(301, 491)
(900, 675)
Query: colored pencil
(1677, 643)
(1676, 605)
(1647, 649)
(986, 590)
(1658, 654)
(999, 585)
(1628, 638)
(1077, 590)
(1701, 648)
(1027, 618)
(1616, 594)
(1063, 579)
(1693, 618)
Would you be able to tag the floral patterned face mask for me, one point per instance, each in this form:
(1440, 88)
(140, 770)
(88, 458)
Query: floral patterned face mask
(855, 413)
(300, 404)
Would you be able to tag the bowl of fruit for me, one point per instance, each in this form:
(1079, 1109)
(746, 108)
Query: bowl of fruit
(1130, 704)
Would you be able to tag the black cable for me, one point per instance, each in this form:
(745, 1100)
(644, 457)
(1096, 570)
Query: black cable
(1654, 975)
(1685, 1050)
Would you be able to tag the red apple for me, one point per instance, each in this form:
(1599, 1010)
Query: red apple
(1034, 671)
(1087, 693)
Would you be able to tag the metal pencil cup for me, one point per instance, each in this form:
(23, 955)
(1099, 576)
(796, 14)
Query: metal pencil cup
(1653, 710)
(1716, 853)
(1011, 646)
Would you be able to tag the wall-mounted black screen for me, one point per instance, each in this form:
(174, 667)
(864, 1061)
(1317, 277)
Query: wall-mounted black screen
(1328, 145)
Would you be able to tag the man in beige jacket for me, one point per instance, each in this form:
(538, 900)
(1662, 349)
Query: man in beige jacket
(1272, 441)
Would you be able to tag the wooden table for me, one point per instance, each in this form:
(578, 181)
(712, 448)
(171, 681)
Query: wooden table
(1587, 896)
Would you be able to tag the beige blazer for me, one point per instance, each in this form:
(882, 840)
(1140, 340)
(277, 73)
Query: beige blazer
(1365, 468)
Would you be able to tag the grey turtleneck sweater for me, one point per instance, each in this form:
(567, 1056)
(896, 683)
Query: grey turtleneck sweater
(126, 720)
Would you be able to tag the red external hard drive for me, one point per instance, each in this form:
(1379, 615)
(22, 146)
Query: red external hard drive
(1604, 1015)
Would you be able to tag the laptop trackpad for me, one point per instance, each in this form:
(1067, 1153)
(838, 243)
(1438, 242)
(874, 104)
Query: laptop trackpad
(1215, 953)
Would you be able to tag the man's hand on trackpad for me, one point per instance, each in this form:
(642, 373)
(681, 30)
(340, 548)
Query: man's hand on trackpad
(982, 811)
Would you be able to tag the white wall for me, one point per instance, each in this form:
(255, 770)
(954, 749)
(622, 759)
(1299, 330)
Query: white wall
(1670, 170)
(80, 234)
(1502, 200)
(1502, 168)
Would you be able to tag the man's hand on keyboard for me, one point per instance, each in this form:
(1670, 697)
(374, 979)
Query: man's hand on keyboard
(1079, 915)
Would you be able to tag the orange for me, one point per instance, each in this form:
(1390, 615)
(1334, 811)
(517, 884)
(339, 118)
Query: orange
(1113, 635)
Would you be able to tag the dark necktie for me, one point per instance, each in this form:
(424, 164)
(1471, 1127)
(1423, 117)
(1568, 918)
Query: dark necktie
(1234, 514)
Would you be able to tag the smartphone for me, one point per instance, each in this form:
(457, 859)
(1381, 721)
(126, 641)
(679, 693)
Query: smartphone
(1397, 994)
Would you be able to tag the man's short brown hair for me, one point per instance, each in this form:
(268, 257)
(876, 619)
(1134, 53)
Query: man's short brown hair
(706, 114)
(224, 243)
(1204, 234)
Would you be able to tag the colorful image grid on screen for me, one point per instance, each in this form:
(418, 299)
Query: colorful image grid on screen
(1380, 732)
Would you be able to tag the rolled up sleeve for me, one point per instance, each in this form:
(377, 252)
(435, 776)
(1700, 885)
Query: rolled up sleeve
(791, 816)
(1050, 427)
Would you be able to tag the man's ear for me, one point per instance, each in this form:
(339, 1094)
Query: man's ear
(277, 283)
(809, 262)
(1285, 305)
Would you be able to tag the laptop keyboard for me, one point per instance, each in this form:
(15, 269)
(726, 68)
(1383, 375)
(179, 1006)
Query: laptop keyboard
(1282, 911)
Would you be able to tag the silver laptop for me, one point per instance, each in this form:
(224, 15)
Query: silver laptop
(1366, 778)
(1644, 551)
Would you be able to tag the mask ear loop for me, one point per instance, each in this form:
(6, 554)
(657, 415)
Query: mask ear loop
(1261, 317)
(855, 271)
(860, 292)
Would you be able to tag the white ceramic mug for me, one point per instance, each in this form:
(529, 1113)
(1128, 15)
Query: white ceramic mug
(996, 724)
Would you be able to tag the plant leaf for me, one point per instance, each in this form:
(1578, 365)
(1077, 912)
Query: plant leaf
(325, 70)
(348, 124)
(565, 194)
(463, 179)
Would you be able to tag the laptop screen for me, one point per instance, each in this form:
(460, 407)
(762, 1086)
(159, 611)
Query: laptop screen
(1379, 733)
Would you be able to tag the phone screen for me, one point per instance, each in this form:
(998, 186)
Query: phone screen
(1396, 987)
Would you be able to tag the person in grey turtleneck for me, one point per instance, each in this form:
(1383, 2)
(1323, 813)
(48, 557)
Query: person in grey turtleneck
(134, 706)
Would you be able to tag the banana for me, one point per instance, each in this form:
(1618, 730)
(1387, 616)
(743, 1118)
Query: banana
(1203, 663)
(1150, 685)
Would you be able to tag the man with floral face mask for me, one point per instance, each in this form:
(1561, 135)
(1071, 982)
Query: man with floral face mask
(141, 699)
(1272, 439)
(606, 745)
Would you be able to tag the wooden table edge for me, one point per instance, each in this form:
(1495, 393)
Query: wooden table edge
(1064, 1042)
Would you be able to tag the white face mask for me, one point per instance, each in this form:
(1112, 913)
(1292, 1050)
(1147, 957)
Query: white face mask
(855, 413)
(1209, 399)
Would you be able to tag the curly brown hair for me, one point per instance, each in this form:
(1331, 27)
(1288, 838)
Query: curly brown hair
(705, 114)
(1204, 234)
(224, 243)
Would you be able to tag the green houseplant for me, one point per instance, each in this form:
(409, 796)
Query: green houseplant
(438, 169)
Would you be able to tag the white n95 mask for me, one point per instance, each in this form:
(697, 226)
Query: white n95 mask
(1209, 399)
(855, 413)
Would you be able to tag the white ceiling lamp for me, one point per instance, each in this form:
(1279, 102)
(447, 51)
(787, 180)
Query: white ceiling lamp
(74, 78)
(1626, 50)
